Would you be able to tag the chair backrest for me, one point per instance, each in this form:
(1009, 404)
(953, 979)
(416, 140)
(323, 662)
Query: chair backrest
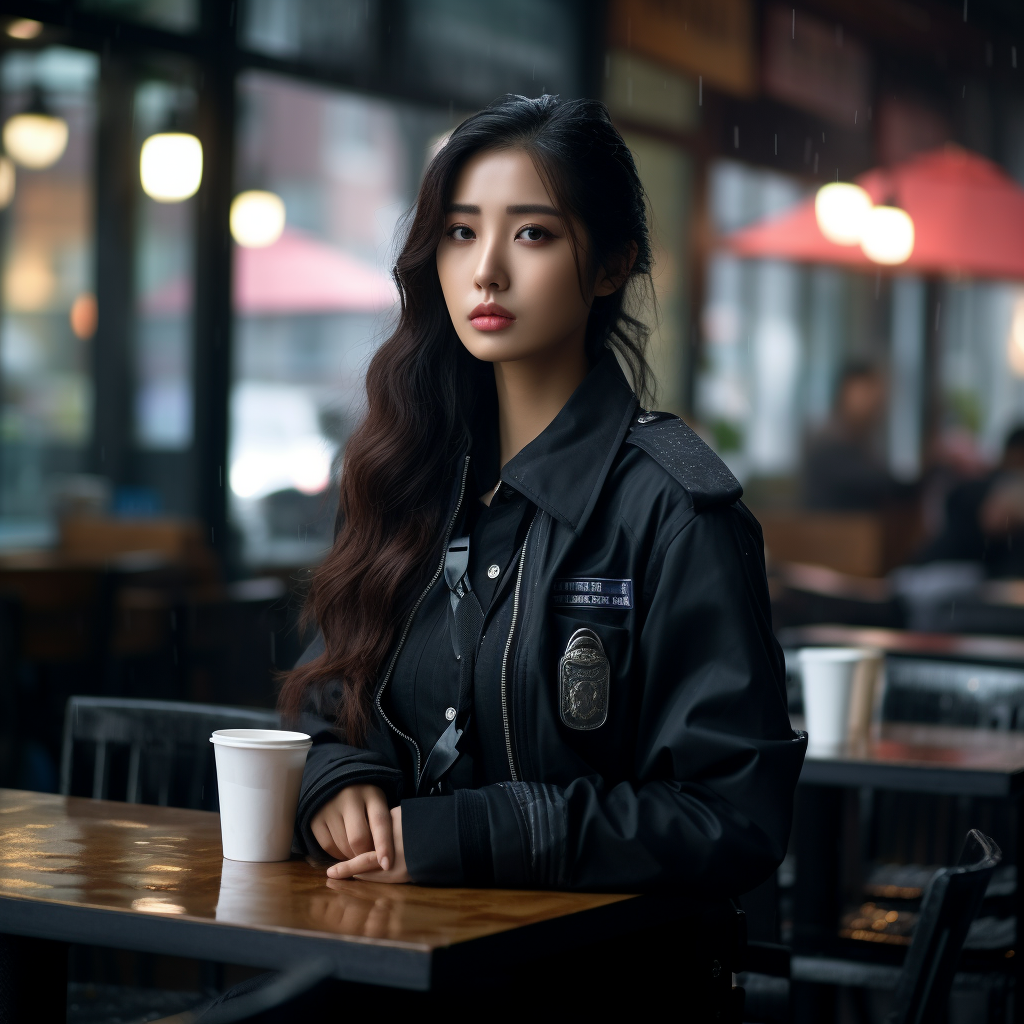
(849, 542)
(160, 736)
(950, 904)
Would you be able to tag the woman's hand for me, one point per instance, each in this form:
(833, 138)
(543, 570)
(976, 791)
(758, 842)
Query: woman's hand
(372, 868)
(357, 828)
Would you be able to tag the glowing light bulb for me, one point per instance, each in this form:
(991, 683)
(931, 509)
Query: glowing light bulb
(24, 28)
(171, 166)
(888, 236)
(840, 210)
(257, 219)
(35, 139)
(1015, 343)
(7, 181)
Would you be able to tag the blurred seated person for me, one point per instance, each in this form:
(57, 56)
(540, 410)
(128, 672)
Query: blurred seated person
(844, 470)
(984, 519)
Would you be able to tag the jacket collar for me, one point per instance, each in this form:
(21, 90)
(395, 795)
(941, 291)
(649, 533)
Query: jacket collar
(563, 469)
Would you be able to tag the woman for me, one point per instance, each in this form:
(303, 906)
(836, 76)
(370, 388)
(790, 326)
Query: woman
(545, 640)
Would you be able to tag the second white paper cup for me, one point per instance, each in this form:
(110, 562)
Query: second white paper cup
(828, 675)
(259, 773)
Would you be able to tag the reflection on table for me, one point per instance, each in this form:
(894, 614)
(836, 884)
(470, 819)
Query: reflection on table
(167, 862)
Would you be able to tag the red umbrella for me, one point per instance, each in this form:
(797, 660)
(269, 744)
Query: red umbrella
(301, 274)
(968, 220)
(297, 274)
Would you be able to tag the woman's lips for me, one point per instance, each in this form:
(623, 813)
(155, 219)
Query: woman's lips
(492, 323)
(491, 317)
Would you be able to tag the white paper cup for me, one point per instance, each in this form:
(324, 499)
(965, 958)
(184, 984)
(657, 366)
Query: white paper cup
(838, 686)
(259, 772)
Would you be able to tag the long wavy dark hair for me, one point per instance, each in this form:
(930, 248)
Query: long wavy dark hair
(424, 389)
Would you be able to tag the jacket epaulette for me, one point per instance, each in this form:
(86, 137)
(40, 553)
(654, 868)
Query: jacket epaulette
(685, 457)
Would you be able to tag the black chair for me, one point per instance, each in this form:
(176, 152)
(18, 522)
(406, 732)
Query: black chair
(156, 752)
(951, 902)
(169, 757)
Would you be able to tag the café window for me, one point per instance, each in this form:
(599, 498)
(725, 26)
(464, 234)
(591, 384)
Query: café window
(164, 270)
(49, 314)
(337, 33)
(324, 178)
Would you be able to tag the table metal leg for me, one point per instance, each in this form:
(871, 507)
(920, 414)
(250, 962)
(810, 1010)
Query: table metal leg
(33, 980)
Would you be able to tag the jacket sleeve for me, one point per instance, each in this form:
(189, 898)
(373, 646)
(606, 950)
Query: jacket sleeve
(709, 806)
(331, 765)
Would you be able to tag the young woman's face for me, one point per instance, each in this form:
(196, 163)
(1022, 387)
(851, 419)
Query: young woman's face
(506, 264)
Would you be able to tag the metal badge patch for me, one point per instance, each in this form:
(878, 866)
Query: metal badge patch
(584, 677)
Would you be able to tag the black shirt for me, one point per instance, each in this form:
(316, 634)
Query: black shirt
(424, 690)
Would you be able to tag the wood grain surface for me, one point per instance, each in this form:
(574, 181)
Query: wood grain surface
(166, 862)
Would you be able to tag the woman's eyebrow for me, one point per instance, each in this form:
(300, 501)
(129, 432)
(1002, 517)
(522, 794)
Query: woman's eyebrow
(514, 210)
(532, 208)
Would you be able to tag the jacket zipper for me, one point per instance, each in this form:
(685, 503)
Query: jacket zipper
(412, 615)
(508, 647)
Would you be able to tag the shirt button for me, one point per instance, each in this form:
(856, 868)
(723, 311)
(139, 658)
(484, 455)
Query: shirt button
(492, 571)
(450, 714)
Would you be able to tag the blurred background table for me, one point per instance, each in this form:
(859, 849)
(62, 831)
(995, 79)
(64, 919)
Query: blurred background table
(128, 608)
(838, 796)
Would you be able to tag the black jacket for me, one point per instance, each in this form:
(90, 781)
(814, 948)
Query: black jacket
(689, 781)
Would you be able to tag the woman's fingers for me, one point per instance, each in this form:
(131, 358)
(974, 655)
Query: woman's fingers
(361, 863)
(336, 823)
(322, 834)
(379, 876)
(357, 824)
(379, 817)
(357, 828)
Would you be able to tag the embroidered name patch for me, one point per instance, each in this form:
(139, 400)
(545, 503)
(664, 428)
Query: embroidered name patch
(591, 592)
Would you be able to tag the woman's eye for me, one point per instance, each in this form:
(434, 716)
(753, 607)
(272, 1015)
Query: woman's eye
(460, 233)
(532, 234)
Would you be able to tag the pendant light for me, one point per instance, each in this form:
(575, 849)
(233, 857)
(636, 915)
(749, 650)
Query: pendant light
(257, 218)
(888, 236)
(36, 137)
(171, 161)
(840, 209)
(171, 166)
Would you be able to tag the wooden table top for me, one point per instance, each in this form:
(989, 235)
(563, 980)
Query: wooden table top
(152, 878)
(924, 758)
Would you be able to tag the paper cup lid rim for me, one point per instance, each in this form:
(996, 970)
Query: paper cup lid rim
(839, 653)
(266, 739)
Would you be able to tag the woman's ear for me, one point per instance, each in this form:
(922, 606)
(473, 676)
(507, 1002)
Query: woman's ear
(613, 275)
